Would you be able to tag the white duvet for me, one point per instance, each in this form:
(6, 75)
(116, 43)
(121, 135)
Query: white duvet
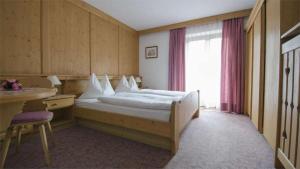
(146, 101)
(161, 92)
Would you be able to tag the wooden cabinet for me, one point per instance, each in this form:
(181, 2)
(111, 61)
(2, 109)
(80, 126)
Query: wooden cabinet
(289, 148)
(264, 94)
(65, 38)
(248, 73)
(20, 50)
(272, 89)
(280, 16)
(61, 106)
(128, 52)
(104, 46)
(258, 69)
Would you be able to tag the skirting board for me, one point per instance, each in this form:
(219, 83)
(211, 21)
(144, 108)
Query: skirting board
(130, 134)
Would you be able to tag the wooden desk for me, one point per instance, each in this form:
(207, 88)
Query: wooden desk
(62, 106)
(11, 102)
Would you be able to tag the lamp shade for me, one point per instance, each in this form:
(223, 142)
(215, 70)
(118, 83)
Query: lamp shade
(54, 80)
(138, 79)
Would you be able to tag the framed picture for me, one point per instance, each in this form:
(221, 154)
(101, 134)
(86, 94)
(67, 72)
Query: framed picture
(151, 52)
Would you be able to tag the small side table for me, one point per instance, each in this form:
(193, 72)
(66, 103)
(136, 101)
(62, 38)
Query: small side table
(62, 106)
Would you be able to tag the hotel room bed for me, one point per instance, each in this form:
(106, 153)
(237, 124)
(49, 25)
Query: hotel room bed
(166, 114)
(152, 114)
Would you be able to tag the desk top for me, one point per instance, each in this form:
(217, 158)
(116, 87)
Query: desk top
(26, 94)
(60, 96)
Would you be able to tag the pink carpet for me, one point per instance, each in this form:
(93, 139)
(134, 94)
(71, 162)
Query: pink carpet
(215, 140)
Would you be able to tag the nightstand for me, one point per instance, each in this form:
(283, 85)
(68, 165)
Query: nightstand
(61, 106)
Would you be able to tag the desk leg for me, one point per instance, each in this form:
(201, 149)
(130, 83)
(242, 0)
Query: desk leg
(7, 113)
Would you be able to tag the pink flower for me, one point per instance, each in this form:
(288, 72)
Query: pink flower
(15, 86)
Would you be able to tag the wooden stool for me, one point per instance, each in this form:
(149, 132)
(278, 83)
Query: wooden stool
(39, 119)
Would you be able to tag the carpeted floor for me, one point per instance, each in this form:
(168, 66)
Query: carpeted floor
(215, 140)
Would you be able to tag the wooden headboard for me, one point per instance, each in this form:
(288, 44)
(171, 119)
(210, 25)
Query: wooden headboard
(78, 86)
(70, 84)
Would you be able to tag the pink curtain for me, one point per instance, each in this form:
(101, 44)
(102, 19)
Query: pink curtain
(232, 65)
(177, 59)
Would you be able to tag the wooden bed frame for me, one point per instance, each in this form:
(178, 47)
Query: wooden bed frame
(181, 113)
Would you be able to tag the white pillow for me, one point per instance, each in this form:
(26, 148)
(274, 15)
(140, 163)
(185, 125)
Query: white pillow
(132, 84)
(94, 89)
(106, 86)
(123, 85)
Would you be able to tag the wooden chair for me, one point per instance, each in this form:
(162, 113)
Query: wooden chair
(39, 119)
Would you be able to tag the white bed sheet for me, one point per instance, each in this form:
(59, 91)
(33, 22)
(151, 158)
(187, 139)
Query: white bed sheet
(162, 92)
(94, 104)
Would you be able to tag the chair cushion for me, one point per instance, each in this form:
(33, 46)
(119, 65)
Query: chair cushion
(27, 117)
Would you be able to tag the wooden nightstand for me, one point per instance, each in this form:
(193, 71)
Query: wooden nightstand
(61, 106)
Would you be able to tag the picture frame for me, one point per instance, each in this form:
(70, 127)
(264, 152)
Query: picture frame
(151, 52)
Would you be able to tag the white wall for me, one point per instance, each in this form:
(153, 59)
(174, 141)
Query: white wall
(154, 71)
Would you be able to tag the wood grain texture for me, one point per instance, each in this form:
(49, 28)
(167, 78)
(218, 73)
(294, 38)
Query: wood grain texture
(181, 114)
(255, 10)
(258, 70)
(248, 73)
(95, 11)
(104, 46)
(128, 52)
(288, 152)
(294, 113)
(146, 138)
(43, 37)
(20, 50)
(271, 94)
(65, 38)
(290, 14)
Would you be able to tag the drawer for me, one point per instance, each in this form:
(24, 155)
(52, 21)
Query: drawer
(57, 104)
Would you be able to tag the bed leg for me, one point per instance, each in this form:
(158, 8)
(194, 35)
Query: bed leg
(174, 145)
(196, 114)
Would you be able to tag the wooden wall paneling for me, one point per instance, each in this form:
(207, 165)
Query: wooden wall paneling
(290, 14)
(283, 100)
(294, 105)
(248, 73)
(95, 11)
(297, 68)
(20, 37)
(272, 69)
(254, 12)
(66, 44)
(128, 52)
(258, 70)
(104, 46)
(289, 135)
(288, 101)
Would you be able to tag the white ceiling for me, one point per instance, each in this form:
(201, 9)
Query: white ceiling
(144, 14)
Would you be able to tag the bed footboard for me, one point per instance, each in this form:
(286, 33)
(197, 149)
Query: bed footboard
(181, 113)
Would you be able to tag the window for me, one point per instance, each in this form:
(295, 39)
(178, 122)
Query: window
(203, 62)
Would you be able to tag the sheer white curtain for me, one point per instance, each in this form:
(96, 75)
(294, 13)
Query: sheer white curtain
(203, 62)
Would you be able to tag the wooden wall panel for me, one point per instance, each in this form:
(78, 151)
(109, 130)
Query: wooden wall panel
(290, 14)
(66, 44)
(128, 52)
(248, 73)
(288, 151)
(104, 46)
(295, 110)
(258, 71)
(272, 71)
(20, 50)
